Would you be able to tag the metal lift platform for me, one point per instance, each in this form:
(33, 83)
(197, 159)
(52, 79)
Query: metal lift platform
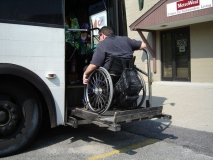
(113, 119)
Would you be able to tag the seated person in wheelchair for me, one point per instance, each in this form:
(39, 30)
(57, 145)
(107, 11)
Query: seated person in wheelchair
(111, 45)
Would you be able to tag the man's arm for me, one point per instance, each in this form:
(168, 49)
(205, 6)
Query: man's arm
(89, 69)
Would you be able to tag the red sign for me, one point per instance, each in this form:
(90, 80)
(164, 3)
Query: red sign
(183, 4)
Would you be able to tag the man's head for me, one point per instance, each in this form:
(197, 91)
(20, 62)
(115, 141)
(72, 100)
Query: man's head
(104, 32)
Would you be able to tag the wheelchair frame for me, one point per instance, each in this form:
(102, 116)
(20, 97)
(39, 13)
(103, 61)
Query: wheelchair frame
(99, 91)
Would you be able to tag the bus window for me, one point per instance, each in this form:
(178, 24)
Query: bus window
(122, 17)
(31, 11)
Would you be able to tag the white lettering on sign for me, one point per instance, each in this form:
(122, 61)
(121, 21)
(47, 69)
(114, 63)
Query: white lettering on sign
(184, 6)
(187, 3)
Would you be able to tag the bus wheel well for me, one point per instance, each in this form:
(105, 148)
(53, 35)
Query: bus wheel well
(21, 114)
(45, 111)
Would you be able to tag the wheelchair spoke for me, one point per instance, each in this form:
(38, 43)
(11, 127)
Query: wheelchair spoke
(103, 100)
(99, 106)
(105, 97)
(92, 83)
(98, 103)
(98, 79)
(101, 103)
(92, 96)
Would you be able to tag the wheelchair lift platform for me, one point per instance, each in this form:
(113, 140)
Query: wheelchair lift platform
(113, 118)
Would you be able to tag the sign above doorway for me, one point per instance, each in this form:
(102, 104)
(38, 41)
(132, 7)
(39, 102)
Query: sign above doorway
(184, 6)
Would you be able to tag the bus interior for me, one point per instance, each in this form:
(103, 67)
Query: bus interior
(83, 19)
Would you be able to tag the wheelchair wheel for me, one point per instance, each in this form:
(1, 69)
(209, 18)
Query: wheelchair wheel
(99, 91)
(142, 94)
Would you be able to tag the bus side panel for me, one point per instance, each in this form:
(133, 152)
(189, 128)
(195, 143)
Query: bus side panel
(41, 50)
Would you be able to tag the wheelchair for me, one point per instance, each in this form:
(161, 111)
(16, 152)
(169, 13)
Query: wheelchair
(107, 89)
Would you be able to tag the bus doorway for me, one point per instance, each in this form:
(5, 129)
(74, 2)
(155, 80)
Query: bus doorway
(83, 19)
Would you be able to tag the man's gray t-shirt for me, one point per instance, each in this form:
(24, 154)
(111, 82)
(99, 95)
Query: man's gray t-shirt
(119, 46)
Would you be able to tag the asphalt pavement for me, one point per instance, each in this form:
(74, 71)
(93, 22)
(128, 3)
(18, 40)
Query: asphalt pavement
(188, 135)
(190, 104)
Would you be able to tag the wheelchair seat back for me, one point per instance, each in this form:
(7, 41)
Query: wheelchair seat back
(127, 83)
(117, 65)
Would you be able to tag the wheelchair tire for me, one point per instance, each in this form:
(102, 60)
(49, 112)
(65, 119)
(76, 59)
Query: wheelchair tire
(99, 91)
(142, 94)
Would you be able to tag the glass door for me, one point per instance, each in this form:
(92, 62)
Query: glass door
(166, 51)
(175, 50)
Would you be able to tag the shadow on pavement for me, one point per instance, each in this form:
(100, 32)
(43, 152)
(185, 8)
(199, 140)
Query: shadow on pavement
(157, 101)
(150, 128)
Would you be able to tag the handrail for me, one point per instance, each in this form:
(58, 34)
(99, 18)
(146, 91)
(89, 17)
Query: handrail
(149, 77)
(148, 74)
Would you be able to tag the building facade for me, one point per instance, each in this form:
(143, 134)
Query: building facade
(179, 35)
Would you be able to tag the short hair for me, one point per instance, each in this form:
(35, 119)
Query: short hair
(106, 31)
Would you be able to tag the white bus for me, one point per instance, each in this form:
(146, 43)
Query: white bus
(43, 48)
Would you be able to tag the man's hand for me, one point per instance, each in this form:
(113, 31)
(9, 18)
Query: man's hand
(89, 69)
(85, 79)
(143, 45)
